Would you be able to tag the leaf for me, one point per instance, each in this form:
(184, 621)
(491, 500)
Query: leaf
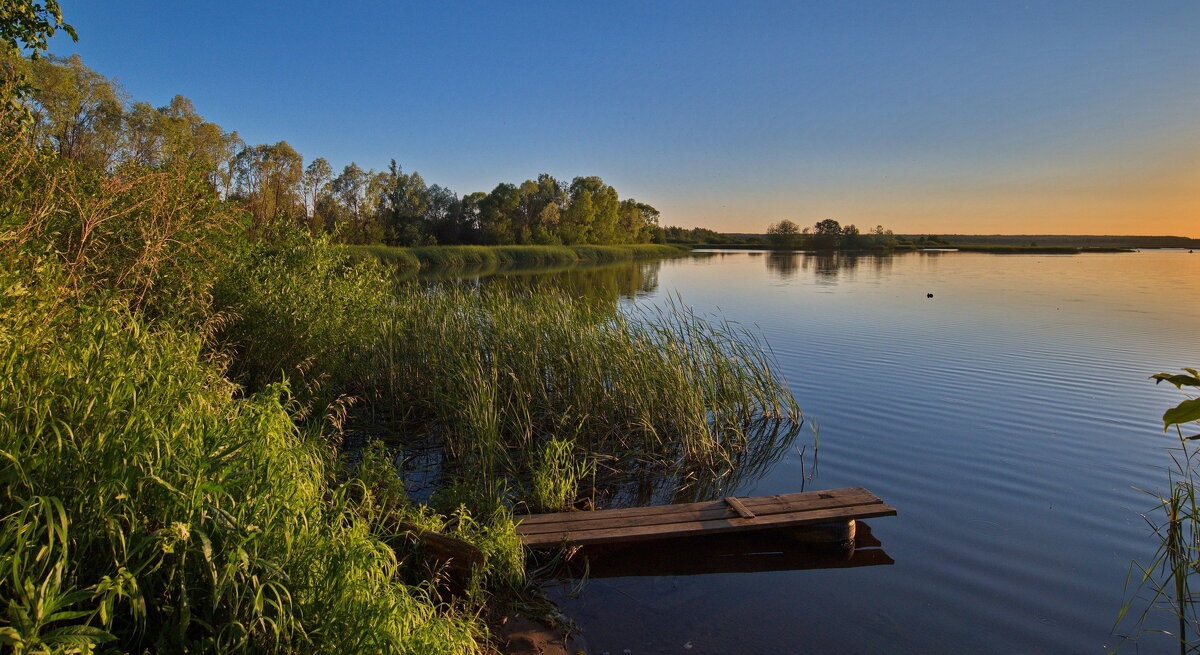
(1178, 379)
(82, 635)
(10, 636)
(66, 616)
(1185, 412)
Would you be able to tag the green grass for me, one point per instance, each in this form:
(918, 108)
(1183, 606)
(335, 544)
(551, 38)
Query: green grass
(455, 257)
(144, 502)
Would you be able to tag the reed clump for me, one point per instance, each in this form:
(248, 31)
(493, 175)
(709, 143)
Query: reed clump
(496, 375)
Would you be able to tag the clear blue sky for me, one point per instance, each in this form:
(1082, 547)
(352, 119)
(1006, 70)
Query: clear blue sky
(924, 116)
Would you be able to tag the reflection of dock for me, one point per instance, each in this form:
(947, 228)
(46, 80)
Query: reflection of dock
(770, 550)
(817, 515)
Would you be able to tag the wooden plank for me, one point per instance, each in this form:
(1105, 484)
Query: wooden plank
(739, 507)
(712, 526)
(732, 544)
(771, 505)
(756, 504)
(713, 509)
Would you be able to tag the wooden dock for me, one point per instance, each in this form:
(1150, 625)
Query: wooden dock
(837, 508)
(730, 552)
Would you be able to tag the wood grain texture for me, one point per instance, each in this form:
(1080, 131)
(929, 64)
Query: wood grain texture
(691, 519)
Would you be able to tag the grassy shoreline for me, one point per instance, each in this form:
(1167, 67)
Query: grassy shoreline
(450, 257)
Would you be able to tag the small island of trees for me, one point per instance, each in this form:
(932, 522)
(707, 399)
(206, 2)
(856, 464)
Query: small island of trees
(828, 234)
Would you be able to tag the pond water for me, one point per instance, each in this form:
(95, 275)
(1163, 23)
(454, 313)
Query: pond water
(1008, 418)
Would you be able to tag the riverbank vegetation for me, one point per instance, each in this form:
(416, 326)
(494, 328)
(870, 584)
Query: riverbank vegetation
(453, 257)
(181, 354)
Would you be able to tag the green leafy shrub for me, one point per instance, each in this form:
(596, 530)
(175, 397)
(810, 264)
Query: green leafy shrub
(300, 309)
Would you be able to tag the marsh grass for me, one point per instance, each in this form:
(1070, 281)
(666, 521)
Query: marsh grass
(659, 398)
(556, 476)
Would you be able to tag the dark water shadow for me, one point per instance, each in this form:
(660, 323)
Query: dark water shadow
(746, 552)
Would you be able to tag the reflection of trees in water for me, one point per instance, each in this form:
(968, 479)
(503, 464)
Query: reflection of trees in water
(783, 263)
(826, 266)
(598, 282)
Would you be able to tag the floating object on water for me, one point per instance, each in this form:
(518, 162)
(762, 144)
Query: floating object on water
(820, 516)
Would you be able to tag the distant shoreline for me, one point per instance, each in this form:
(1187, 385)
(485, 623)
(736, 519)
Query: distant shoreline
(908, 247)
(1033, 240)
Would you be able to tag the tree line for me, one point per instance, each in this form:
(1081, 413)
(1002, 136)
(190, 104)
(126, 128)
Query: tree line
(828, 234)
(83, 116)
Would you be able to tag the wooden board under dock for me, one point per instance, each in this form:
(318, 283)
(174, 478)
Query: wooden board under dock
(712, 517)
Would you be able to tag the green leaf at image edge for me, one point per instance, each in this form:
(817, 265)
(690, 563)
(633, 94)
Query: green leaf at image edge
(1185, 412)
(1179, 380)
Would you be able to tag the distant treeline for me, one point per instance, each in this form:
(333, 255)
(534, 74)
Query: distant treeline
(84, 116)
(848, 237)
(1066, 240)
(827, 234)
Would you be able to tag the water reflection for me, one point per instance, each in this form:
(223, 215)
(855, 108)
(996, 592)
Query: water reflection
(745, 552)
(826, 267)
(604, 282)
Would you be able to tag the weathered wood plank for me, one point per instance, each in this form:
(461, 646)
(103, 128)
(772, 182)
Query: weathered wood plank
(756, 504)
(711, 526)
(739, 507)
(758, 507)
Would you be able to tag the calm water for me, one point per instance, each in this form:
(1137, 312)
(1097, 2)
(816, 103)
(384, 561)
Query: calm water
(1008, 418)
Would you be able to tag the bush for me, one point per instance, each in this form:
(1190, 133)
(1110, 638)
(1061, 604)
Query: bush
(303, 311)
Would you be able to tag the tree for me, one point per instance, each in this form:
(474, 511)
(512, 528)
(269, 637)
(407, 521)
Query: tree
(268, 182)
(784, 234)
(636, 222)
(403, 204)
(882, 238)
(176, 134)
(826, 235)
(577, 222)
(75, 111)
(850, 237)
(24, 25)
(497, 212)
(317, 177)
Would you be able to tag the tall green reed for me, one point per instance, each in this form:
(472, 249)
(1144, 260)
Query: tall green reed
(496, 375)
(1163, 587)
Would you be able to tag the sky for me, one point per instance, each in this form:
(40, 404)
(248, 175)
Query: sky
(1054, 117)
